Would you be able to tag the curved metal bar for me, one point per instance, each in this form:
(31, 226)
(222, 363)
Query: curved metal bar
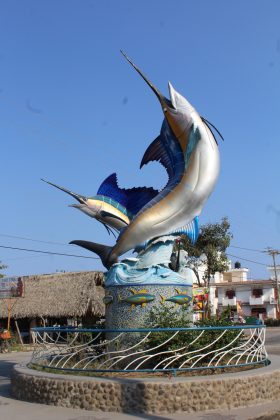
(58, 348)
(175, 358)
(149, 356)
(126, 350)
(248, 348)
(198, 356)
(100, 355)
(226, 346)
(74, 354)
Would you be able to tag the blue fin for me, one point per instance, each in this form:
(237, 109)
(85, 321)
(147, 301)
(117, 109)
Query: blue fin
(110, 188)
(166, 150)
(191, 230)
(132, 199)
(139, 197)
(155, 151)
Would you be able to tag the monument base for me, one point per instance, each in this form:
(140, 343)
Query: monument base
(131, 304)
(135, 286)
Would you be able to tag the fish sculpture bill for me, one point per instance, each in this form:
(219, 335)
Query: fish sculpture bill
(188, 150)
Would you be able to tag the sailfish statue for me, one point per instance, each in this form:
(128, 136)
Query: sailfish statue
(188, 150)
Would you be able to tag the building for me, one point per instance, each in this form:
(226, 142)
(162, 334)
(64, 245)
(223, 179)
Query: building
(59, 298)
(245, 297)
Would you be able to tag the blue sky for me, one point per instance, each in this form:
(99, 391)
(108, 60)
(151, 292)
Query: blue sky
(73, 111)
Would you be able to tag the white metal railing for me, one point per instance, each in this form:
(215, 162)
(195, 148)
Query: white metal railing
(99, 351)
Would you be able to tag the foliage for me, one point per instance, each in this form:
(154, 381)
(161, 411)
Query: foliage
(2, 267)
(190, 340)
(208, 253)
(270, 322)
(168, 317)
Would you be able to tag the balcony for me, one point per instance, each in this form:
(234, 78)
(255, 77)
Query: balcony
(256, 300)
(229, 302)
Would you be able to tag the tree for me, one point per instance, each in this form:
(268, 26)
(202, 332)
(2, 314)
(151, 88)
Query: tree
(208, 253)
(2, 267)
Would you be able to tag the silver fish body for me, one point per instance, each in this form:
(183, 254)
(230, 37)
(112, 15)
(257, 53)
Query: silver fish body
(174, 208)
(186, 192)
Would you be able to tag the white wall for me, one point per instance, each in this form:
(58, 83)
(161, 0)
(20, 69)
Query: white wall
(243, 293)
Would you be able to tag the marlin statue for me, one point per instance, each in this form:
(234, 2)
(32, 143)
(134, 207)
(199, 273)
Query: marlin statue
(187, 148)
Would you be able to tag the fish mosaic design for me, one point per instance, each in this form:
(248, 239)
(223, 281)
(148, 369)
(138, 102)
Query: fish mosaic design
(138, 298)
(181, 298)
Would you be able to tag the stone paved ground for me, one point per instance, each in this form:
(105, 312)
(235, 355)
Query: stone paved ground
(11, 409)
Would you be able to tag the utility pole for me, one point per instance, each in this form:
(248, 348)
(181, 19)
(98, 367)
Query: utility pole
(273, 253)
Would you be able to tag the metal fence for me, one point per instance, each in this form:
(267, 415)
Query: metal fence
(103, 351)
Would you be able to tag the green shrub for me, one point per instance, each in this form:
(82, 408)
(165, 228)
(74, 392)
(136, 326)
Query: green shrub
(192, 340)
(270, 322)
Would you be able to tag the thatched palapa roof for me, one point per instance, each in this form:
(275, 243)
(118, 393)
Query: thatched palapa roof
(59, 295)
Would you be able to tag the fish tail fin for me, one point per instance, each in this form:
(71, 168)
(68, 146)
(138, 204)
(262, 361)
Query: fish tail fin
(103, 251)
(162, 299)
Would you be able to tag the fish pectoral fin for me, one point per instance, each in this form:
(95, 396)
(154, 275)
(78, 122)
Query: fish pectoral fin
(144, 304)
(104, 213)
(108, 228)
(162, 299)
(177, 291)
(132, 291)
(132, 307)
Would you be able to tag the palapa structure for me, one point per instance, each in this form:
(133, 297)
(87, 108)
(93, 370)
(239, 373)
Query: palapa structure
(58, 296)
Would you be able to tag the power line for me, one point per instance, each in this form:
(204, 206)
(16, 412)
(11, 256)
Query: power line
(63, 244)
(33, 240)
(246, 249)
(244, 259)
(48, 252)
(80, 256)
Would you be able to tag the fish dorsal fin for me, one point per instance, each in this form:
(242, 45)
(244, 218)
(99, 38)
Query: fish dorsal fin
(153, 152)
(109, 188)
(157, 152)
(137, 198)
(132, 199)
(167, 150)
